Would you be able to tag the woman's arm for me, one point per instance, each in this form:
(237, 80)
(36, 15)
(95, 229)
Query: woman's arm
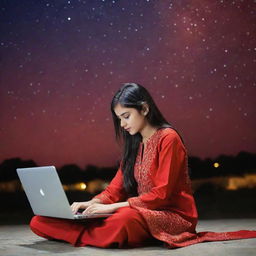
(114, 192)
(107, 200)
(172, 161)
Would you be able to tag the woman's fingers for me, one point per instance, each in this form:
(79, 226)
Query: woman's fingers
(72, 206)
(81, 205)
(90, 210)
(96, 208)
(76, 206)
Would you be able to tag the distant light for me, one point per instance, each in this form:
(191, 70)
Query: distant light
(216, 165)
(83, 186)
(69, 18)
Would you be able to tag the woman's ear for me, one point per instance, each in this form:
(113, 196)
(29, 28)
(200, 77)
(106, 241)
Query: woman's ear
(145, 109)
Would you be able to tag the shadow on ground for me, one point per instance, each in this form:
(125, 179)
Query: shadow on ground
(49, 246)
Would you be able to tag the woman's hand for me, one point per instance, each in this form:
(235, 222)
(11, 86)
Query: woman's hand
(99, 208)
(103, 208)
(83, 205)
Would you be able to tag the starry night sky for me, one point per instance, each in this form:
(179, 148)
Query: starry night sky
(62, 61)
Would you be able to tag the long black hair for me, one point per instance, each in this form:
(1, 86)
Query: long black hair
(132, 95)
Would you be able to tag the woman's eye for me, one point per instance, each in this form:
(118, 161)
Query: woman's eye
(126, 117)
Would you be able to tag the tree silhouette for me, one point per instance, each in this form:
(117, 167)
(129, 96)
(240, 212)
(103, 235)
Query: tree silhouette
(9, 166)
(244, 162)
(195, 167)
(94, 172)
(70, 174)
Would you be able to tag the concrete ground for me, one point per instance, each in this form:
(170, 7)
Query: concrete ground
(19, 240)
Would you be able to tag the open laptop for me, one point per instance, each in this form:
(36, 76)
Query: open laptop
(46, 194)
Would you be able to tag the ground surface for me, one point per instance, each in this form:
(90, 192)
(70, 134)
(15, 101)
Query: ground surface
(19, 240)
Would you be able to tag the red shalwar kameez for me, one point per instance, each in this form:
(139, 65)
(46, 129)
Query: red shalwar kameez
(164, 209)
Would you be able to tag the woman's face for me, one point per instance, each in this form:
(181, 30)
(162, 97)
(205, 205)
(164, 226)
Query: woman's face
(131, 119)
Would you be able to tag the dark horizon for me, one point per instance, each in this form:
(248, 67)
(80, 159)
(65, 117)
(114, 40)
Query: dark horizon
(223, 165)
(117, 160)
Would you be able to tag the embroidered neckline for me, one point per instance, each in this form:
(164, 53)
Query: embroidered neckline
(143, 162)
(153, 135)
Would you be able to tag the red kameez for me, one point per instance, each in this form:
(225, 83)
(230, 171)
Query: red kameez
(164, 209)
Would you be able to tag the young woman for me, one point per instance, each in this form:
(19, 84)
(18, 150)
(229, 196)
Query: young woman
(150, 195)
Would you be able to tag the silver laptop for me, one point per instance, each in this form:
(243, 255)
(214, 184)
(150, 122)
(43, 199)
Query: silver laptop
(46, 194)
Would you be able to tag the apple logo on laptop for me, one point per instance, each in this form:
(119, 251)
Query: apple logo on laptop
(42, 192)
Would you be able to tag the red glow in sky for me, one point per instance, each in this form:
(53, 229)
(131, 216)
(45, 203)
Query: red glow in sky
(61, 63)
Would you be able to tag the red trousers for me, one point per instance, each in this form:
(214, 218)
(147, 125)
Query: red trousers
(125, 228)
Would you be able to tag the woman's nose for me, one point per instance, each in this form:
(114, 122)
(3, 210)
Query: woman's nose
(123, 123)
